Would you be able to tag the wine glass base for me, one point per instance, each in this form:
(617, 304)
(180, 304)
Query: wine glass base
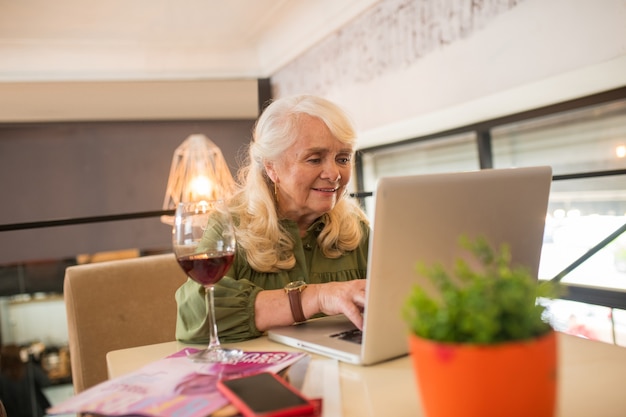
(217, 355)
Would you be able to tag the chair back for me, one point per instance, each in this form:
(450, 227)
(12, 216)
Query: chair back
(116, 305)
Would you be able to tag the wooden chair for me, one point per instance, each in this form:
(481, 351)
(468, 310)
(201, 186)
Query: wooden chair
(115, 305)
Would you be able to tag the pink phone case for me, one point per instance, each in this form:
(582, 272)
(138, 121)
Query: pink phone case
(266, 395)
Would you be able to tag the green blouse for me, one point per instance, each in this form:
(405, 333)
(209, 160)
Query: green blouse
(235, 294)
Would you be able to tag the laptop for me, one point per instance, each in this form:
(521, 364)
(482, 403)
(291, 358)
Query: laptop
(420, 218)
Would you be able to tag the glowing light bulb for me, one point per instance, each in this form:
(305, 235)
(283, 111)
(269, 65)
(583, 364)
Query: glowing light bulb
(620, 151)
(200, 187)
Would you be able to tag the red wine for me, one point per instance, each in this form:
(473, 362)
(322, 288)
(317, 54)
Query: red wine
(207, 269)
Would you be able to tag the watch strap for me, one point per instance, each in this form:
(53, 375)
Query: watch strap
(295, 302)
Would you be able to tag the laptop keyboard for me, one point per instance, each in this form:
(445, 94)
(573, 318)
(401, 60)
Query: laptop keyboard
(354, 336)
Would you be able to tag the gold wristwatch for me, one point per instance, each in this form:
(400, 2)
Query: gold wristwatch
(294, 292)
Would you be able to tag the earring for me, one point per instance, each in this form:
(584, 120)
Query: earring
(276, 191)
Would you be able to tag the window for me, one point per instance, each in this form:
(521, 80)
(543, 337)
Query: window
(444, 154)
(584, 141)
(582, 211)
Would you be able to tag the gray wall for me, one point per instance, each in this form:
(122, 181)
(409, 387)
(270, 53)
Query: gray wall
(52, 171)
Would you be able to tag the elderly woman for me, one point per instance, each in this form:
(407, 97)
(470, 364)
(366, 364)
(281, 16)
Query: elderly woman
(302, 242)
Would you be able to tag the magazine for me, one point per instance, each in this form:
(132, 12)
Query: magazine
(174, 386)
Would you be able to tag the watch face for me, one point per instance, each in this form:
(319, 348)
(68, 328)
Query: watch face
(294, 285)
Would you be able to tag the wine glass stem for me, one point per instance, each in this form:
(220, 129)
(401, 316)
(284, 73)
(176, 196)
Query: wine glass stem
(214, 341)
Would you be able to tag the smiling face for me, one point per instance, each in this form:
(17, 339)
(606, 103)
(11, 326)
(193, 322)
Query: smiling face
(312, 173)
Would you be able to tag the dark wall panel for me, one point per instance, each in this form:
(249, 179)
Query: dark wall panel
(54, 171)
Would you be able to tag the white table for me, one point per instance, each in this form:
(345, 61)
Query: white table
(592, 378)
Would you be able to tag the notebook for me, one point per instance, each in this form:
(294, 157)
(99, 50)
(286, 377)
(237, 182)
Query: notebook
(420, 218)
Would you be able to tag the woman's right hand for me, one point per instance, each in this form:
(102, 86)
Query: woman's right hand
(331, 298)
(346, 297)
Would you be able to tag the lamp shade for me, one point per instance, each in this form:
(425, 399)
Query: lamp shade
(198, 172)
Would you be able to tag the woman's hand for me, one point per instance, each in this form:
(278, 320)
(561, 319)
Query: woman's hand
(346, 298)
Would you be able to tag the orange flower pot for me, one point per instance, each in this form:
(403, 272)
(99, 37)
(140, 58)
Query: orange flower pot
(504, 380)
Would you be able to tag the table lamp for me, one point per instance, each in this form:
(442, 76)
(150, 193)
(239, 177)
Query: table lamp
(198, 172)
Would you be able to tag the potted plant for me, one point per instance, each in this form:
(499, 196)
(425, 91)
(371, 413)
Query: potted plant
(479, 341)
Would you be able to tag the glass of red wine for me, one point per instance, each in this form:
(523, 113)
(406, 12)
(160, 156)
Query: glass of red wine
(204, 244)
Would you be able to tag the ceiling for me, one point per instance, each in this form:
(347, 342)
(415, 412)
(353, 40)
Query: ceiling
(60, 40)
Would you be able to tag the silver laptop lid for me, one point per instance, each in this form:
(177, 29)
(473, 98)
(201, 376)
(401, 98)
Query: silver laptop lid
(420, 219)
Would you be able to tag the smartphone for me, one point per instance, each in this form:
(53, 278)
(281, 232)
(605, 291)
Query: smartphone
(265, 395)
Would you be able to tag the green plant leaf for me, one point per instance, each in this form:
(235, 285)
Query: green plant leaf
(490, 304)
